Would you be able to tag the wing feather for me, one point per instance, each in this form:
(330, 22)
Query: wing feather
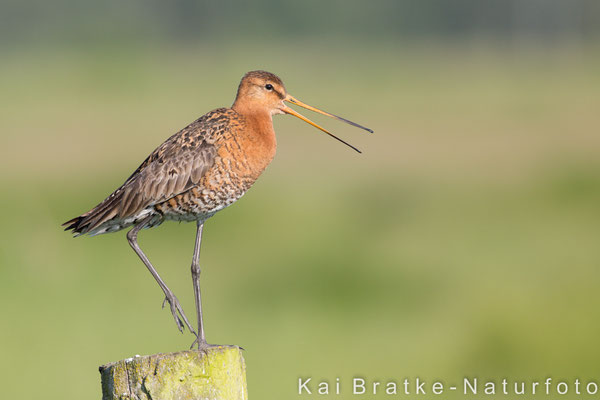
(160, 181)
(173, 168)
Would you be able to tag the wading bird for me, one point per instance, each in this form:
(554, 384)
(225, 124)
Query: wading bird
(201, 169)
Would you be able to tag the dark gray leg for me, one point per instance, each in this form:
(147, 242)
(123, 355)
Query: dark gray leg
(201, 340)
(169, 296)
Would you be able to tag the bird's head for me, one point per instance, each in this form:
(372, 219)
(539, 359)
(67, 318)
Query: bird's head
(261, 91)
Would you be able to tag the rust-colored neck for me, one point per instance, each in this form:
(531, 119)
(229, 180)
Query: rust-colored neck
(258, 136)
(259, 120)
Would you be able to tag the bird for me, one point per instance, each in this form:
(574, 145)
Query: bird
(200, 170)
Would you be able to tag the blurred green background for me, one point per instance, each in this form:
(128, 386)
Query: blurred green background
(463, 242)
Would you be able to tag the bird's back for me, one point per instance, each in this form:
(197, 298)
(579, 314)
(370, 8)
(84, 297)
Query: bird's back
(198, 171)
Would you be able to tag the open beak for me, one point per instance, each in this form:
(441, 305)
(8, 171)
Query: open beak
(291, 111)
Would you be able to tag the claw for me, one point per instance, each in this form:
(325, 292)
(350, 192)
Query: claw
(204, 346)
(176, 311)
(187, 323)
(177, 320)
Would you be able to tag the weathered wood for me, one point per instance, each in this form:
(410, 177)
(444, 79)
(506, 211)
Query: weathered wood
(217, 374)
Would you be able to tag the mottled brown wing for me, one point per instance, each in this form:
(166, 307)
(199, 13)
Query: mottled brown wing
(173, 168)
(170, 170)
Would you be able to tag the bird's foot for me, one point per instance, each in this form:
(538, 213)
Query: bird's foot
(177, 311)
(205, 347)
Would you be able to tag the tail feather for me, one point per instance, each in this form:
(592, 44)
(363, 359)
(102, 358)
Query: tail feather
(72, 224)
(93, 219)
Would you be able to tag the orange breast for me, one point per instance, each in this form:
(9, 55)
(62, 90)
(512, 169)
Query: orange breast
(244, 150)
(254, 147)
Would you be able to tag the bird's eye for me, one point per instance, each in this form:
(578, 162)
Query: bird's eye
(268, 86)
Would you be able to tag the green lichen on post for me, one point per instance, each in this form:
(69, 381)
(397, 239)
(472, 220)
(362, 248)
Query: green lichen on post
(217, 374)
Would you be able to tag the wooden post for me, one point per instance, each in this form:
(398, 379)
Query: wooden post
(217, 374)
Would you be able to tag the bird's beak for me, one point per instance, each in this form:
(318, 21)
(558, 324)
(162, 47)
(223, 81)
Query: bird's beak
(293, 100)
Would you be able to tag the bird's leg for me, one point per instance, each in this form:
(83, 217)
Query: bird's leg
(200, 339)
(169, 295)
